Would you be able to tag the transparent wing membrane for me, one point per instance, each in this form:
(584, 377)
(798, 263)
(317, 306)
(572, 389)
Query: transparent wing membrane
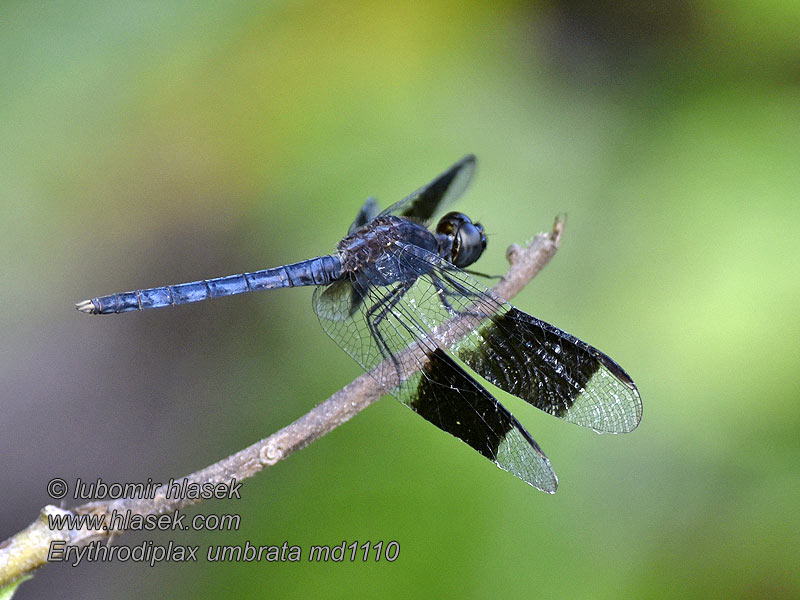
(545, 366)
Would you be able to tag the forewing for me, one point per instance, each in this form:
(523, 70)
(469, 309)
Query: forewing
(385, 333)
(555, 371)
(545, 366)
(431, 199)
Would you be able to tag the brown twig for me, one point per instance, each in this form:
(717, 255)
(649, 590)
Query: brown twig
(28, 549)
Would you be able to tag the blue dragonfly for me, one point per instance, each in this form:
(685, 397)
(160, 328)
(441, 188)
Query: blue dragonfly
(396, 297)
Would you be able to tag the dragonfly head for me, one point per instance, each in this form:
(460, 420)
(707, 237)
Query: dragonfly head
(460, 240)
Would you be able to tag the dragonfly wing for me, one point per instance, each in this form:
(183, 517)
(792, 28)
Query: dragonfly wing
(387, 336)
(432, 198)
(545, 366)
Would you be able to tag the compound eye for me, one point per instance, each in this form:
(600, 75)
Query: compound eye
(467, 238)
(471, 244)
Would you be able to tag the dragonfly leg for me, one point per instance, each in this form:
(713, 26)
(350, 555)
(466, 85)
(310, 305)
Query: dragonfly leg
(381, 309)
(461, 291)
(385, 306)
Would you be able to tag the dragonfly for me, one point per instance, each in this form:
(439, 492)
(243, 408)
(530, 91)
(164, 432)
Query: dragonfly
(399, 298)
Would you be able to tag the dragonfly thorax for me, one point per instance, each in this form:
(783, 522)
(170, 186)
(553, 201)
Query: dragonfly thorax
(460, 240)
(371, 251)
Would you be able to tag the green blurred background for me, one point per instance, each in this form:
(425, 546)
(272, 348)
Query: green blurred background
(149, 143)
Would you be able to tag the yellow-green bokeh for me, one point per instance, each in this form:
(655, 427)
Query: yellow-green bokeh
(149, 143)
